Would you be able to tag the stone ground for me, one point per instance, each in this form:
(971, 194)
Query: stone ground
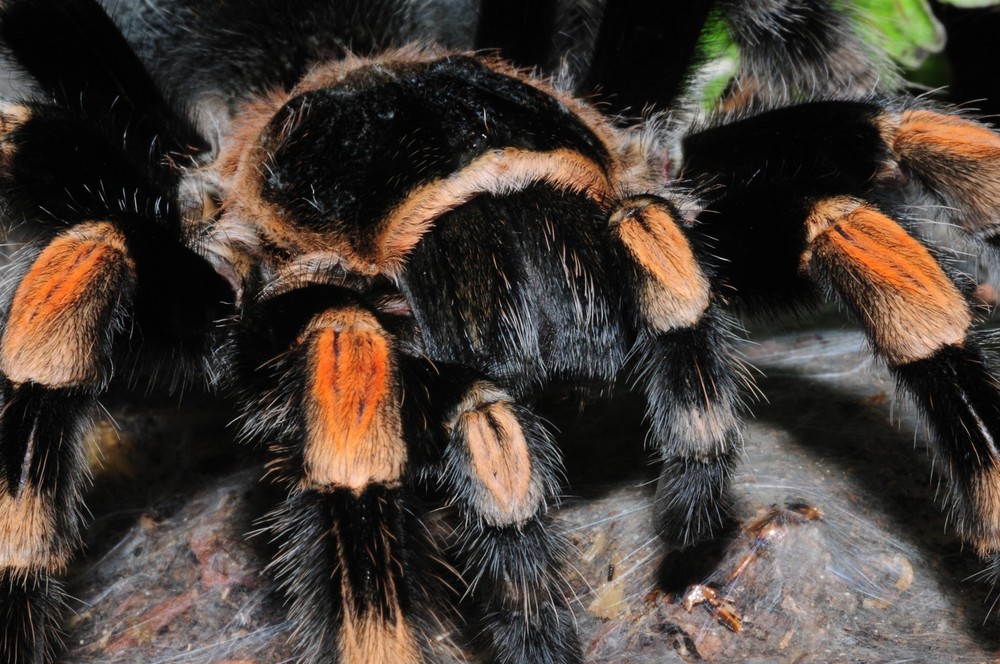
(874, 575)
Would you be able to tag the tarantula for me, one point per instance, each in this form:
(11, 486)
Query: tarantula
(409, 247)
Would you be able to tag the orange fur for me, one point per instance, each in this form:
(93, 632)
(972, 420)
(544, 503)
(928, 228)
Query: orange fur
(958, 161)
(500, 473)
(500, 461)
(60, 309)
(28, 540)
(947, 133)
(234, 240)
(369, 640)
(909, 305)
(496, 172)
(354, 434)
(676, 292)
(12, 116)
(985, 495)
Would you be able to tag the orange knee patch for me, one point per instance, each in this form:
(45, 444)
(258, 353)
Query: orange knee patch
(675, 292)
(947, 134)
(983, 529)
(28, 539)
(910, 307)
(353, 426)
(62, 308)
(369, 640)
(958, 160)
(505, 488)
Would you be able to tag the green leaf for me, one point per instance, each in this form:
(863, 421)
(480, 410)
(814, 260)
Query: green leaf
(722, 58)
(906, 28)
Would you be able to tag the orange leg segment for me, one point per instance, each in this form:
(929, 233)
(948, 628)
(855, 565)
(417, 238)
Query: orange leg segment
(919, 322)
(55, 357)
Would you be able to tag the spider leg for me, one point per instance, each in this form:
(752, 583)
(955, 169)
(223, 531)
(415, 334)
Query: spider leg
(634, 34)
(825, 40)
(954, 162)
(67, 318)
(106, 267)
(824, 217)
(323, 388)
(54, 357)
(812, 223)
(687, 368)
(77, 55)
(70, 314)
(520, 31)
(499, 469)
(920, 323)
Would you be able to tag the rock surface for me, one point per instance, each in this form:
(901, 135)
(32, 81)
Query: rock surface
(873, 575)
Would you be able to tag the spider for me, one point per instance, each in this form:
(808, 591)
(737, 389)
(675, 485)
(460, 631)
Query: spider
(409, 247)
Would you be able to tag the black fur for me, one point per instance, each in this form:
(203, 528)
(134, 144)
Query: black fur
(30, 607)
(43, 461)
(822, 148)
(49, 174)
(418, 124)
(957, 391)
(824, 40)
(509, 292)
(226, 50)
(525, 615)
(643, 53)
(95, 72)
(371, 542)
(40, 441)
(539, 291)
(520, 31)
(100, 145)
(692, 371)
